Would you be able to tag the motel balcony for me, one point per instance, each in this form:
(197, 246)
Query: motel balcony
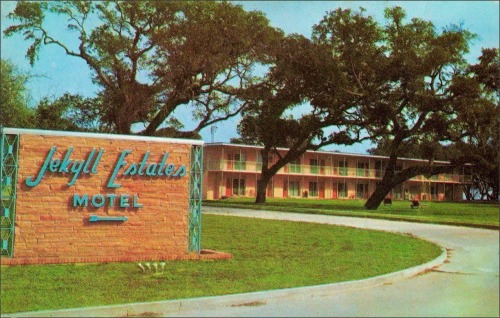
(317, 170)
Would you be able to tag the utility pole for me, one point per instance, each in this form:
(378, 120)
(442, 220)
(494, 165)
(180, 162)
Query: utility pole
(213, 128)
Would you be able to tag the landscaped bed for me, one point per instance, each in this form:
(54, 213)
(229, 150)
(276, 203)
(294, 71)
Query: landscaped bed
(266, 255)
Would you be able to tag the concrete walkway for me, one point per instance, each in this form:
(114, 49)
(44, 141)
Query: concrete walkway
(465, 284)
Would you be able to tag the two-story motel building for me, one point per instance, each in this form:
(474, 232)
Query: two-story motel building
(232, 170)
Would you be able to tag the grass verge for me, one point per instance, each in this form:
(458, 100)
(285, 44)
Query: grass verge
(266, 255)
(481, 215)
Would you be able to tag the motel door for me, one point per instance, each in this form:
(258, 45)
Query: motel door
(361, 190)
(216, 188)
(229, 187)
(321, 193)
(270, 192)
(285, 189)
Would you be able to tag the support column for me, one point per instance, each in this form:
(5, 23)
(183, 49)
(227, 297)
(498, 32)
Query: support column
(9, 154)
(195, 197)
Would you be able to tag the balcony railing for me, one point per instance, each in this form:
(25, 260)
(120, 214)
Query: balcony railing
(315, 170)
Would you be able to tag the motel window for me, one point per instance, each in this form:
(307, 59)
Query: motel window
(313, 189)
(342, 190)
(239, 161)
(322, 166)
(259, 161)
(258, 166)
(294, 188)
(343, 168)
(361, 169)
(238, 186)
(314, 168)
(295, 166)
(361, 190)
(379, 169)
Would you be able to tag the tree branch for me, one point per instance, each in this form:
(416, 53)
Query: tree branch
(173, 101)
(206, 122)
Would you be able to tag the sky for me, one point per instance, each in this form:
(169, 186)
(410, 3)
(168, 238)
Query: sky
(56, 73)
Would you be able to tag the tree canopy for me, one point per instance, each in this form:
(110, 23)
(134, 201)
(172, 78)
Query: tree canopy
(411, 83)
(150, 57)
(302, 77)
(404, 84)
(401, 84)
(14, 111)
(70, 112)
(481, 118)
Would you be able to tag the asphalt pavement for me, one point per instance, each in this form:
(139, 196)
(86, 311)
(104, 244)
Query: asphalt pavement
(462, 282)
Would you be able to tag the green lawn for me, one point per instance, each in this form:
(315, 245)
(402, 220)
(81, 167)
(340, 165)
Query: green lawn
(266, 255)
(484, 215)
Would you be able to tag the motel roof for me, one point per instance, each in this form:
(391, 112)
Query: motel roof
(322, 152)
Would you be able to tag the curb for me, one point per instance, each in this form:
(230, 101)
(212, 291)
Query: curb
(169, 307)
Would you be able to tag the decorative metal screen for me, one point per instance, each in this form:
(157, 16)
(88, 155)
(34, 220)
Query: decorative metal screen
(9, 148)
(195, 197)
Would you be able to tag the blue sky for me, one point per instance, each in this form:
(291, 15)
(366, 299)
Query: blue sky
(55, 73)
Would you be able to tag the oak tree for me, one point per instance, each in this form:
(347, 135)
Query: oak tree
(302, 105)
(150, 57)
(481, 117)
(70, 112)
(411, 91)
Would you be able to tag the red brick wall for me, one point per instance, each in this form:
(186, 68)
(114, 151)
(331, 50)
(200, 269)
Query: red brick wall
(49, 229)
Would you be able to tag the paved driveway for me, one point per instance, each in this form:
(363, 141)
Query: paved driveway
(465, 284)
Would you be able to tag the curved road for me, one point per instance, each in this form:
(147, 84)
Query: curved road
(465, 284)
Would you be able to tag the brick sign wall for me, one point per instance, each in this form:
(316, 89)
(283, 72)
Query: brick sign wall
(95, 198)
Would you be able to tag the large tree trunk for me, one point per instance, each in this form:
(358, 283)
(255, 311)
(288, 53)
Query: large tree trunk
(267, 173)
(384, 187)
(262, 187)
(392, 179)
(379, 195)
(165, 111)
(123, 126)
(265, 176)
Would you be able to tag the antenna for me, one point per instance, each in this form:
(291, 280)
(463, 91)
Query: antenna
(213, 128)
